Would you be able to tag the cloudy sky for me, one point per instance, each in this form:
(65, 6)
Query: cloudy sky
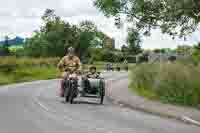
(22, 17)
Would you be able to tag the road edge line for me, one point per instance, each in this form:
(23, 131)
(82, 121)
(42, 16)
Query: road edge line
(189, 120)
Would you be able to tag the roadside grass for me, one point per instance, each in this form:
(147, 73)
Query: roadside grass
(16, 70)
(175, 83)
(24, 74)
(147, 93)
(24, 69)
(141, 80)
(31, 73)
(27, 61)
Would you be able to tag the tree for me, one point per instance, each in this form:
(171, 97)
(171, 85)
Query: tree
(50, 15)
(159, 51)
(184, 50)
(96, 54)
(134, 41)
(125, 51)
(6, 41)
(87, 34)
(163, 50)
(5, 48)
(56, 35)
(197, 47)
(196, 54)
(53, 38)
(174, 17)
(108, 55)
(88, 26)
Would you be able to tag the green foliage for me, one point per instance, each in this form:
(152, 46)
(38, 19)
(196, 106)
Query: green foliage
(133, 48)
(4, 50)
(174, 83)
(111, 56)
(109, 7)
(87, 35)
(52, 40)
(134, 41)
(108, 55)
(164, 50)
(131, 59)
(197, 47)
(96, 54)
(14, 70)
(196, 54)
(124, 49)
(17, 50)
(143, 78)
(174, 17)
(184, 50)
(56, 36)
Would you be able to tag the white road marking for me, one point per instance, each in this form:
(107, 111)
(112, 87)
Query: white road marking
(188, 119)
(42, 105)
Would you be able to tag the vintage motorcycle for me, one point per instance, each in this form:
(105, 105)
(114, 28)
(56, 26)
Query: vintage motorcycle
(74, 88)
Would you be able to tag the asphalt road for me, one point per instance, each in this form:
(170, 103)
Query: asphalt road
(36, 108)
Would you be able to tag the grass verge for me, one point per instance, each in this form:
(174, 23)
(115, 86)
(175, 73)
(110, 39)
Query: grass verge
(24, 74)
(174, 83)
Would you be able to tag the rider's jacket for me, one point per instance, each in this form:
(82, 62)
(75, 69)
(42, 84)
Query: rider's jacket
(69, 64)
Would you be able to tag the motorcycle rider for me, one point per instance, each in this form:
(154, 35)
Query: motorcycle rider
(91, 74)
(68, 64)
(126, 65)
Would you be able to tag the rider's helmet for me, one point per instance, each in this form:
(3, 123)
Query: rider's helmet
(93, 69)
(71, 51)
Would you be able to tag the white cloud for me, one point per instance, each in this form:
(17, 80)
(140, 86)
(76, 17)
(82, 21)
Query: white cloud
(22, 17)
(159, 40)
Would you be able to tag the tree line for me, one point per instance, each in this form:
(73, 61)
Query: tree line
(56, 35)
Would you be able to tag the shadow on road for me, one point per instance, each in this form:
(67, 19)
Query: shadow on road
(84, 102)
(87, 102)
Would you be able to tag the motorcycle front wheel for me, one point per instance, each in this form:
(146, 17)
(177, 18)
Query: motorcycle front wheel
(73, 92)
